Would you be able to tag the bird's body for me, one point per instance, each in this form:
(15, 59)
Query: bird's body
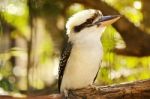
(80, 61)
(81, 72)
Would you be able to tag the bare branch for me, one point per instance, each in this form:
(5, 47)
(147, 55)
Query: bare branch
(133, 90)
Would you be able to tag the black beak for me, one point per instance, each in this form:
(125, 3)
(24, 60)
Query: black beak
(107, 20)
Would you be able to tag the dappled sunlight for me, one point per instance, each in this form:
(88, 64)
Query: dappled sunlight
(122, 72)
(137, 4)
(13, 9)
(42, 75)
(3, 92)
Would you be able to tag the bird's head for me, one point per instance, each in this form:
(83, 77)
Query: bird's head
(89, 21)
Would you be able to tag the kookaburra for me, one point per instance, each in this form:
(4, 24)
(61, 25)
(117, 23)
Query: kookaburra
(82, 55)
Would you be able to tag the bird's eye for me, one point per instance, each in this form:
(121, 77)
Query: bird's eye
(90, 21)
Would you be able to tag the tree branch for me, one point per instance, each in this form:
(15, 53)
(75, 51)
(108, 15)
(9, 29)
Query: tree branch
(139, 89)
(133, 90)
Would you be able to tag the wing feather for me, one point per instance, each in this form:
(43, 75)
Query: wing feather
(63, 61)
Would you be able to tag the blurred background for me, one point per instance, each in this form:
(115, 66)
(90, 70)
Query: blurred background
(32, 34)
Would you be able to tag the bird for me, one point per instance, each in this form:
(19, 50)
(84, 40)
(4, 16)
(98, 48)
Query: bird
(81, 57)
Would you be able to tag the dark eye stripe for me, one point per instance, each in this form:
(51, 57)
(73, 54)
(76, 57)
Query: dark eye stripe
(87, 22)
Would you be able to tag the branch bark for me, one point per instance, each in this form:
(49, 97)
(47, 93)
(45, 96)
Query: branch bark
(133, 90)
(136, 40)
